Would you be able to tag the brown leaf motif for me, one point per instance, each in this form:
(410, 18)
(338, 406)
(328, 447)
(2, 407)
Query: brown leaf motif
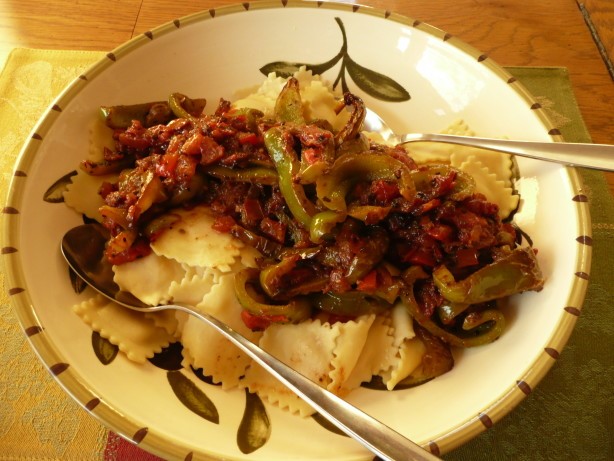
(192, 397)
(255, 428)
(55, 192)
(169, 358)
(104, 350)
(371, 82)
(326, 424)
(77, 283)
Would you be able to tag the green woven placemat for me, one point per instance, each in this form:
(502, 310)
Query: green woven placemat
(570, 415)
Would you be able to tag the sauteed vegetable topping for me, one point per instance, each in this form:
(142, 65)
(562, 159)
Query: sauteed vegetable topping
(345, 226)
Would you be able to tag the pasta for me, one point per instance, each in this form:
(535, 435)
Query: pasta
(134, 334)
(489, 184)
(193, 241)
(329, 257)
(210, 351)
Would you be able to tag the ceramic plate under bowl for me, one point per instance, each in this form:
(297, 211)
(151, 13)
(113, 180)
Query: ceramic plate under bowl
(419, 79)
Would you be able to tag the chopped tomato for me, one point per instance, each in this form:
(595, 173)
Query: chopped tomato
(251, 211)
(260, 323)
(440, 232)
(250, 138)
(466, 257)
(106, 188)
(428, 206)
(368, 283)
(385, 191)
(192, 146)
(420, 256)
(274, 229)
(167, 165)
(443, 184)
(223, 224)
(311, 155)
(138, 250)
(211, 151)
(135, 137)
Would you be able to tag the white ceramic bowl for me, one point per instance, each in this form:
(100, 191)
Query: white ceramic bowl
(213, 54)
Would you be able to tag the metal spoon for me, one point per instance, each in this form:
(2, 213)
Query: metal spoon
(83, 248)
(595, 156)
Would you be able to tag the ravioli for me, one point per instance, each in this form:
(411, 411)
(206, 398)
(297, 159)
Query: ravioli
(132, 332)
(194, 264)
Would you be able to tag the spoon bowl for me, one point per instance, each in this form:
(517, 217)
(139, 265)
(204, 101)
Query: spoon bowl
(83, 248)
(595, 156)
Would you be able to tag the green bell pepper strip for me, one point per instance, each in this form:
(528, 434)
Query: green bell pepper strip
(289, 105)
(436, 361)
(491, 332)
(159, 224)
(491, 319)
(360, 143)
(323, 223)
(309, 174)
(182, 195)
(184, 107)
(514, 273)
(270, 277)
(351, 303)
(256, 175)
(331, 188)
(448, 312)
(294, 311)
(389, 293)
(121, 116)
(464, 184)
(302, 253)
(270, 248)
(267, 247)
(369, 214)
(152, 113)
(279, 144)
(252, 116)
(370, 254)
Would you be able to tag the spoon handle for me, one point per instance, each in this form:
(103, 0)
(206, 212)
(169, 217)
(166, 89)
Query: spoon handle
(596, 156)
(377, 437)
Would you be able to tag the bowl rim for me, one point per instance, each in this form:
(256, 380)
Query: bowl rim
(156, 443)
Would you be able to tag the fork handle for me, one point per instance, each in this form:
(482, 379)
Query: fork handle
(595, 156)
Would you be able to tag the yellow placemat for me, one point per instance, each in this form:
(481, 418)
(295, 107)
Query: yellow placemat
(38, 420)
(568, 417)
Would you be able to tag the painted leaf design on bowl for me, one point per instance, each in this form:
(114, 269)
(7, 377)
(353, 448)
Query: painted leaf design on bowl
(55, 192)
(255, 427)
(104, 350)
(77, 283)
(192, 397)
(326, 424)
(368, 80)
(169, 358)
(199, 373)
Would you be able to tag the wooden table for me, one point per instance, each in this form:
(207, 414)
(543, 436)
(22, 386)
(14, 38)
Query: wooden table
(511, 32)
